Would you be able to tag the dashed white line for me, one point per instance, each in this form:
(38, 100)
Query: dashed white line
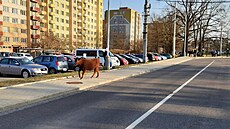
(140, 119)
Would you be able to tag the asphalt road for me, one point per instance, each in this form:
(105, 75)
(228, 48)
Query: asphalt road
(201, 102)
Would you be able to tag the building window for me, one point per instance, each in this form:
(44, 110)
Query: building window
(14, 20)
(62, 12)
(23, 40)
(15, 1)
(23, 31)
(57, 19)
(5, 9)
(6, 19)
(14, 10)
(6, 29)
(6, 1)
(22, 12)
(7, 39)
(57, 27)
(15, 39)
(23, 21)
(57, 11)
(15, 30)
(67, 21)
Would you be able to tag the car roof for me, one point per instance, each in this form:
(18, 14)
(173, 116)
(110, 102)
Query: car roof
(16, 57)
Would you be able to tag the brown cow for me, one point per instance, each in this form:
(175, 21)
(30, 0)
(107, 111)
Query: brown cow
(88, 64)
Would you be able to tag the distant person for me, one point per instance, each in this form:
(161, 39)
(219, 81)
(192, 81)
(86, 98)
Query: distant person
(227, 52)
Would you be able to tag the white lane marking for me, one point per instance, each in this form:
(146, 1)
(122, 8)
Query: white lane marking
(136, 122)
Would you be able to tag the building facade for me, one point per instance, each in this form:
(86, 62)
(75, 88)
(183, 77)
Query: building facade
(125, 28)
(23, 23)
(13, 28)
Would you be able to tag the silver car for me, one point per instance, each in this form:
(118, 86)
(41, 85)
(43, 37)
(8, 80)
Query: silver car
(21, 66)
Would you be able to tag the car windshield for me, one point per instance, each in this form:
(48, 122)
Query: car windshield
(25, 61)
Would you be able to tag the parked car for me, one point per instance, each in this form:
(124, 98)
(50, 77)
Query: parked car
(71, 62)
(55, 63)
(123, 61)
(27, 55)
(141, 57)
(114, 61)
(138, 59)
(129, 59)
(7, 54)
(97, 53)
(157, 56)
(151, 57)
(21, 66)
(169, 56)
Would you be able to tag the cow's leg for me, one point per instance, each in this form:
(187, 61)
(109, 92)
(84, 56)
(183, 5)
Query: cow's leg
(97, 69)
(83, 73)
(94, 72)
(79, 73)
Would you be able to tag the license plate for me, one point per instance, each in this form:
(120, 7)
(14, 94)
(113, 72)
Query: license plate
(64, 69)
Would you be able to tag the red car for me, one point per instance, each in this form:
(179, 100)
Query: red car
(122, 60)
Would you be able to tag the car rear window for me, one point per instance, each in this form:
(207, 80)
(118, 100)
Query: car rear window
(28, 55)
(60, 59)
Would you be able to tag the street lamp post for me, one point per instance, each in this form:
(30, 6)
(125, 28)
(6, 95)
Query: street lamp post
(107, 57)
(174, 33)
(146, 14)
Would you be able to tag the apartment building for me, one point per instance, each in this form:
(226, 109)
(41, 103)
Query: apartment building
(125, 28)
(13, 26)
(25, 22)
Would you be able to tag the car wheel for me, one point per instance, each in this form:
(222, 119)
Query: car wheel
(52, 71)
(25, 74)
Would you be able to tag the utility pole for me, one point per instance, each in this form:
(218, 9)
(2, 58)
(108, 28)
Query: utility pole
(185, 28)
(107, 57)
(174, 33)
(146, 14)
(221, 36)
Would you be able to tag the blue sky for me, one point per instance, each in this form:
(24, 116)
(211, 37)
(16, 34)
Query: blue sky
(138, 5)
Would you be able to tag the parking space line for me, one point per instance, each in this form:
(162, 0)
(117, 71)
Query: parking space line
(140, 119)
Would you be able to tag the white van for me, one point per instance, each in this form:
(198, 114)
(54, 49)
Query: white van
(27, 55)
(97, 53)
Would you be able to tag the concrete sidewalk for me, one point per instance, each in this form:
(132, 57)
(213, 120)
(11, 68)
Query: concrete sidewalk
(21, 96)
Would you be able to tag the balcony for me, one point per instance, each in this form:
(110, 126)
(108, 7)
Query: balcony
(51, 21)
(43, 29)
(79, 21)
(1, 33)
(43, 13)
(34, 9)
(79, 14)
(34, 27)
(1, 22)
(43, 21)
(51, 13)
(79, 27)
(51, 5)
(0, 12)
(79, 7)
(51, 30)
(35, 1)
(35, 36)
(35, 18)
(43, 4)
